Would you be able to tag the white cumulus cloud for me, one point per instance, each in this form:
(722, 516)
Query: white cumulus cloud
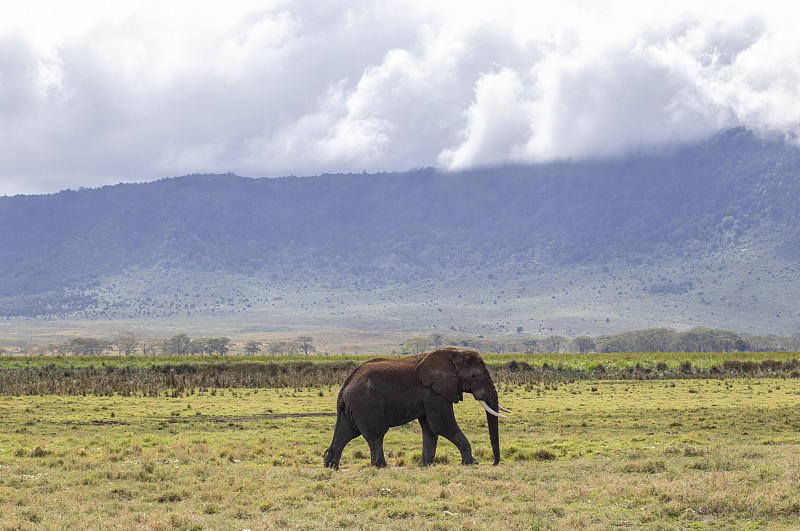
(93, 93)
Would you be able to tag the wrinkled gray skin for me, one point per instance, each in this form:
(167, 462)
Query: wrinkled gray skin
(383, 393)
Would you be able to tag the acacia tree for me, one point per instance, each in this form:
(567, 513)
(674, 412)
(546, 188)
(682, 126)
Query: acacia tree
(584, 344)
(305, 344)
(179, 345)
(657, 340)
(553, 343)
(199, 346)
(87, 346)
(437, 339)
(218, 345)
(531, 345)
(417, 344)
(276, 348)
(127, 342)
(252, 347)
(149, 346)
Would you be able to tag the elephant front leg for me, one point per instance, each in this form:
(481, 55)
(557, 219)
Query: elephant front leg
(460, 440)
(429, 442)
(445, 425)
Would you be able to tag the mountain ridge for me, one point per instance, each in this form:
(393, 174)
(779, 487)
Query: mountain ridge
(516, 224)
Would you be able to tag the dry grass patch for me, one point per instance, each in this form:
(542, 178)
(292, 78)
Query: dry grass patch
(605, 455)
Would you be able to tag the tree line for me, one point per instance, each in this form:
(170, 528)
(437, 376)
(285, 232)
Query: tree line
(697, 339)
(129, 343)
(662, 339)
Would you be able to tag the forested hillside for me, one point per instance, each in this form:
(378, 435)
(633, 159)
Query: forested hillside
(733, 191)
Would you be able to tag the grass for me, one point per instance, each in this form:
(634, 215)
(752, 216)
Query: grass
(702, 360)
(602, 454)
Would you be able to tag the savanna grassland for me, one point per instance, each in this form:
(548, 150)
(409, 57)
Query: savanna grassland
(675, 452)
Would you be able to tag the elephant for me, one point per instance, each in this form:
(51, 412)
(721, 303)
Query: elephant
(382, 393)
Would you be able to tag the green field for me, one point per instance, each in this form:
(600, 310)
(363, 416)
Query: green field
(572, 361)
(659, 454)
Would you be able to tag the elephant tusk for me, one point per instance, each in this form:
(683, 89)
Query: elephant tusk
(490, 410)
(504, 409)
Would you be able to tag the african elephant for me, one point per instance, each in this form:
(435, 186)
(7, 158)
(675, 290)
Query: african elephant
(382, 393)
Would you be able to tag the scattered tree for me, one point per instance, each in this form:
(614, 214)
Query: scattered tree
(199, 346)
(218, 345)
(305, 344)
(437, 339)
(179, 345)
(87, 346)
(276, 348)
(531, 345)
(553, 343)
(150, 346)
(252, 347)
(417, 344)
(127, 342)
(584, 344)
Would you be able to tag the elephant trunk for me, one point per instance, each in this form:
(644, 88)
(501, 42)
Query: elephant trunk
(492, 421)
(494, 436)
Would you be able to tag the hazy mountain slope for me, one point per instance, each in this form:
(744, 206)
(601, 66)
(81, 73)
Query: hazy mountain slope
(516, 224)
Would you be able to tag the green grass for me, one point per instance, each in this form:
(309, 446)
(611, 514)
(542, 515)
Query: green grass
(601, 454)
(703, 360)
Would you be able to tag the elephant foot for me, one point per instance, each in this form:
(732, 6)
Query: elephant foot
(328, 457)
(470, 461)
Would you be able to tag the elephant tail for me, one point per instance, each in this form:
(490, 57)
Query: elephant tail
(331, 456)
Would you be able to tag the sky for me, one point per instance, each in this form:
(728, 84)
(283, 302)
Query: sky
(97, 93)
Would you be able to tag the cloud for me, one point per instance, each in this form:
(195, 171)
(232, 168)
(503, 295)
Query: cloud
(498, 122)
(93, 93)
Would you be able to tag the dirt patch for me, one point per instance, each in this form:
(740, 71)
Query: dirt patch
(266, 416)
(97, 423)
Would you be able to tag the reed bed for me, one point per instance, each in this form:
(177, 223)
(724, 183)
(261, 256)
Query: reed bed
(186, 376)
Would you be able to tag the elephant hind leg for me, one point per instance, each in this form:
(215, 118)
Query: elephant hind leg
(429, 442)
(343, 433)
(376, 456)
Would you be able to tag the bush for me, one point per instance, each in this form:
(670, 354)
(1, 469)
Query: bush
(544, 455)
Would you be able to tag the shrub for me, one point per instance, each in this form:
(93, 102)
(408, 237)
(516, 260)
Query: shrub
(543, 454)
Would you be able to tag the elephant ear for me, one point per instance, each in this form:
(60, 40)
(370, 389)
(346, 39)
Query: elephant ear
(439, 370)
